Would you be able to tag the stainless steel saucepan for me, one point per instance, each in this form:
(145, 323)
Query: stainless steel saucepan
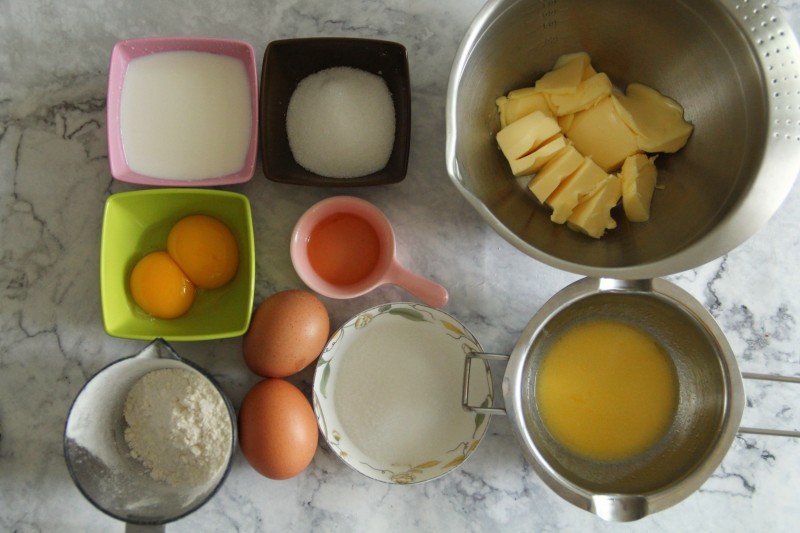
(710, 403)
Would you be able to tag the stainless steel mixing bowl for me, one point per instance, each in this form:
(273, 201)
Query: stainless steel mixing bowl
(733, 64)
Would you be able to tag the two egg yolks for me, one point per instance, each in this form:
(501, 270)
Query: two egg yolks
(201, 253)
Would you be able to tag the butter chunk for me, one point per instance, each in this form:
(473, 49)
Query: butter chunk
(526, 134)
(565, 76)
(656, 119)
(588, 93)
(581, 184)
(554, 172)
(638, 176)
(519, 103)
(582, 57)
(565, 121)
(600, 133)
(535, 160)
(593, 215)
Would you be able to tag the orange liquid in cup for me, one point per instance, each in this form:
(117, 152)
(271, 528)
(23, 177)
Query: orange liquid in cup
(343, 249)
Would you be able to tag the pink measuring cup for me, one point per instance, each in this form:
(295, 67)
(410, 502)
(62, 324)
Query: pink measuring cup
(387, 268)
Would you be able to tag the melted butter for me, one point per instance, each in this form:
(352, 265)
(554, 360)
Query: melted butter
(606, 390)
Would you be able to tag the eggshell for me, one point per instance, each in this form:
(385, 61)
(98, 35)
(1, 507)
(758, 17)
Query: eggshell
(277, 429)
(287, 332)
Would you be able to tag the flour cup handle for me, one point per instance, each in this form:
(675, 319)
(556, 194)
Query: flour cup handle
(763, 431)
(465, 386)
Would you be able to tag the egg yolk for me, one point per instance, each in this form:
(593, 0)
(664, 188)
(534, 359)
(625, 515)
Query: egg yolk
(159, 286)
(343, 249)
(205, 249)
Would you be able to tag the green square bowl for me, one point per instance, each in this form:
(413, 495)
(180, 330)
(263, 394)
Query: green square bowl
(137, 223)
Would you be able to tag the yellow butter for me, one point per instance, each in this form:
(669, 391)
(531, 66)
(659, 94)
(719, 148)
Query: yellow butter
(588, 72)
(526, 134)
(656, 119)
(554, 172)
(565, 76)
(638, 176)
(516, 94)
(582, 57)
(588, 93)
(581, 184)
(538, 158)
(565, 121)
(593, 215)
(600, 133)
(520, 103)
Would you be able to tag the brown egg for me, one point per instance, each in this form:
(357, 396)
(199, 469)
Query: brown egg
(277, 429)
(288, 331)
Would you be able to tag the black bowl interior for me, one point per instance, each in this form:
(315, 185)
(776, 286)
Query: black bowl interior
(287, 62)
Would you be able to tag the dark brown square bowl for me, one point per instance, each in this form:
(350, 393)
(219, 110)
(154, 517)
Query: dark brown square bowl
(289, 61)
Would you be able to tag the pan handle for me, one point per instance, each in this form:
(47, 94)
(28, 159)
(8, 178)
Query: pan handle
(763, 431)
(465, 385)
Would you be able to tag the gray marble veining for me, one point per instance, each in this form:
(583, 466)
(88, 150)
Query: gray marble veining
(54, 180)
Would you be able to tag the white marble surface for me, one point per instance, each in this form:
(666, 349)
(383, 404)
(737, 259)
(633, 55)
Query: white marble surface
(54, 179)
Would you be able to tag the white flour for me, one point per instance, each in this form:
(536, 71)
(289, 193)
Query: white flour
(178, 426)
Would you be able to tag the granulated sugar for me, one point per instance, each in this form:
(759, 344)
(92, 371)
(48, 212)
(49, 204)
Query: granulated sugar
(398, 393)
(179, 426)
(340, 123)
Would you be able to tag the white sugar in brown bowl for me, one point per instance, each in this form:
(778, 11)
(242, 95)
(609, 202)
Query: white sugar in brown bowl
(340, 123)
(290, 61)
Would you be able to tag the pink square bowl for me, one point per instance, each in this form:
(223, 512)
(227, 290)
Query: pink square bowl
(126, 51)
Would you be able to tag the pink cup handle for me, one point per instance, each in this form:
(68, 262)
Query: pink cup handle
(430, 292)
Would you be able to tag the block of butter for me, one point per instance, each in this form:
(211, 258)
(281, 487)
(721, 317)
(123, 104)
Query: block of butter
(593, 215)
(656, 119)
(579, 185)
(567, 73)
(527, 134)
(565, 121)
(554, 172)
(584, 58)
(538, 158)
(588, 93)
(519, 103)
(600, 133)
(638, 177)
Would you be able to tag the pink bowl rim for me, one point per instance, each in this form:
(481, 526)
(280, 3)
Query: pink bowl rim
(126, 50)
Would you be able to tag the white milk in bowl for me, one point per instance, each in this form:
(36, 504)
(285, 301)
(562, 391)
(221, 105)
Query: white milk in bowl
(185, 115)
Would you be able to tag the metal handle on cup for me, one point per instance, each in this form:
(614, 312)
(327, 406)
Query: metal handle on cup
(765, 431)
(465, 385)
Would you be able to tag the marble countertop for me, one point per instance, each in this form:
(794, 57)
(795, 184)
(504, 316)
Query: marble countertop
(54, 179)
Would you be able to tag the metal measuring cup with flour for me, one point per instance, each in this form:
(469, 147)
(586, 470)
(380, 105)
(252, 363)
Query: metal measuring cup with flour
(150, 438)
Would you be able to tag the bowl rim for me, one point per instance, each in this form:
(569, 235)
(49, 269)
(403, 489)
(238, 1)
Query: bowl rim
(125, 51)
